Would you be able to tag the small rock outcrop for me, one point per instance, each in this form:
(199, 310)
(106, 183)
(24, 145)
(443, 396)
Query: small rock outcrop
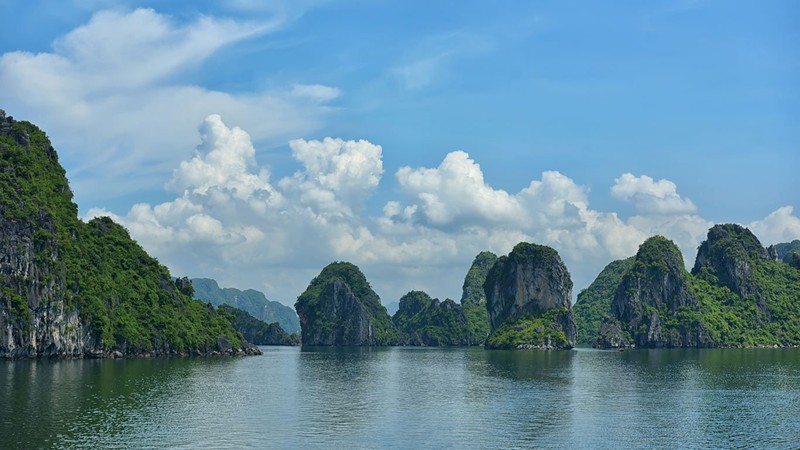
(425, 321)
(473, 298)
(528, 300)
(339, 308)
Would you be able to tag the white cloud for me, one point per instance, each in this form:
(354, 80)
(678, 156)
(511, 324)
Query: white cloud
(779, 226)
(650, 196)
(231, 222)
(107, 93)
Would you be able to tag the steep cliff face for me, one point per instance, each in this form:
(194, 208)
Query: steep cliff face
(339, 308)
(528, 298)
(254, 302)
(473, 298)
(72, 289)
(652, 293)
(426, 321)
(727, 257)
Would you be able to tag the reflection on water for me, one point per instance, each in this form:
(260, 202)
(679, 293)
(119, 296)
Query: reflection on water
(408, 397)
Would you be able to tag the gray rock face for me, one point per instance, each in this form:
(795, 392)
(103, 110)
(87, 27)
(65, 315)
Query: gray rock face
(654, 288)
(527, 284)
(347, 321)
(611, 335)
(727, 254)
(47, 327)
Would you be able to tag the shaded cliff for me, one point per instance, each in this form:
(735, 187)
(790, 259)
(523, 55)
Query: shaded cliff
(593, 305)
(250, 300)
(423, 320)
(473, 298)
(255, 330)
(653, 295)
(339, 308)
(74, 289)
(528, 298)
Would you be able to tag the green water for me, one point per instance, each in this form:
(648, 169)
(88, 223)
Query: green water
(408, 398)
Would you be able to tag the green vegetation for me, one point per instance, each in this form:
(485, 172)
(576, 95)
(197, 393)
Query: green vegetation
(252, 301)
(594, 303)
(256, 331)
(426, 321)
(737, 296)
(313, 306)
(125, 298)
(784, 249)
(532, 331)
(473, 298)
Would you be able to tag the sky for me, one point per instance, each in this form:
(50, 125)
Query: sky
(254, 142)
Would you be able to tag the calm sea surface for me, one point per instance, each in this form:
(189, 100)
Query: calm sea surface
(408, 398)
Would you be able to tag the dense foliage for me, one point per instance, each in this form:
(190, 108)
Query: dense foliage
(125, 298)
(256, 331)
(532, 331)
(594, 303)
(312, 312)
(252, 301)
(425, 321)
(738, 296)
(473, 298)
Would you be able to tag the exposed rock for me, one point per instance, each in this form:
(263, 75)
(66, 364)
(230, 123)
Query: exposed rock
(726, 257)
(654, 288)
(528, 297)
(473, 298)
(75, 289)
(611, 335)
(339, 308)
(426, 321)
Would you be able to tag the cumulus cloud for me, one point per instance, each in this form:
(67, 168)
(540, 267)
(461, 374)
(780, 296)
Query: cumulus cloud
(650, 196)
(107, 93)
(230, 221)
(779, 226)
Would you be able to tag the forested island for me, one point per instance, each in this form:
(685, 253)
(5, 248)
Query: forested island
(87, 289)
(76, 289)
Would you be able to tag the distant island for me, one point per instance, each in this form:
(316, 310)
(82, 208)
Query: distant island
(254, 302)
(76, 289)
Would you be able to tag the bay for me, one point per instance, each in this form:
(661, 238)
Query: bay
(408, 398)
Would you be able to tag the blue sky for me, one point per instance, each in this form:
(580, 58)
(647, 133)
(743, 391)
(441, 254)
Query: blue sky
(696, 101)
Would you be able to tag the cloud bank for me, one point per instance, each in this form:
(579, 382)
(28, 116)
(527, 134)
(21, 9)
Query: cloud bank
(230, 220)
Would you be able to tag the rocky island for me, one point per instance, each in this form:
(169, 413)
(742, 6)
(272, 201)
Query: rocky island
(529, 300)
(473, 298)
(75, 289)
(426, 321)
(738, 294)
(339, 308)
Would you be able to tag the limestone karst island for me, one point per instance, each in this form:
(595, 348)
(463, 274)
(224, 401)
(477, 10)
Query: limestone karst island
(73, 289)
